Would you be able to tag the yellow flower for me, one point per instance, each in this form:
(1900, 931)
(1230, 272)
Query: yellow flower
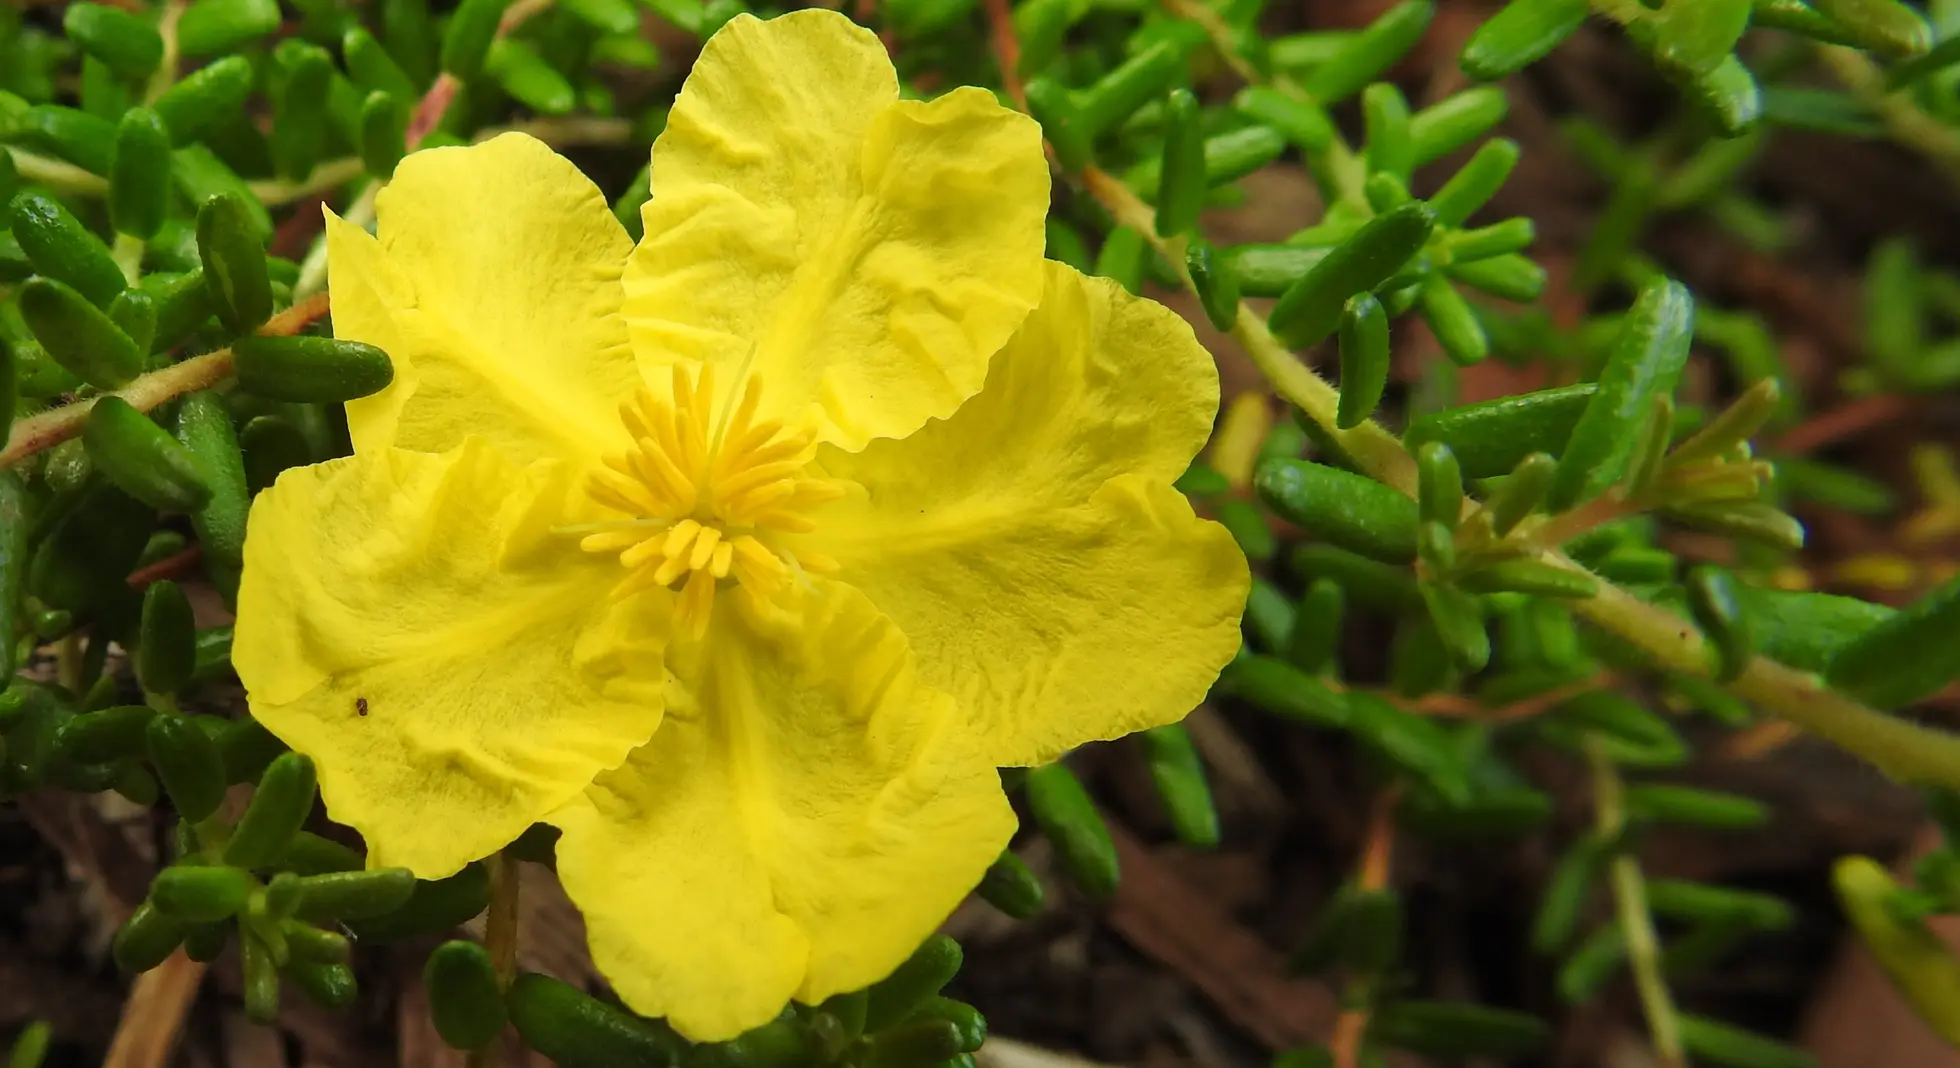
(714, 552)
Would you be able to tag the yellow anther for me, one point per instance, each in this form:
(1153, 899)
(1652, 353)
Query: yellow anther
(706, 497)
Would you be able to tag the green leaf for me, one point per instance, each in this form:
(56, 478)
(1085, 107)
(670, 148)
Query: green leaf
(1453, 322)
(209, 27)
(1453, 122)
(1310, 309)
(1303, 123)
(204, 430)
(1647, 359)
(1491, 438)
(127, 45)
(432, 907)
(1063, 123)
(281, 803)
(139, 179)
(62, 249)
(1591, 965)
(1364, 355)
(1529, 576)
(15, 528)
(233, 257)
(85, 140)
(528, 78)
(1628, 731)
(1729, 96)
(922, 976)
(1696, 35)
(1217, 287)
(310, 369)
(200, 893)
(579, 1031)
(465, 1003)
(1684, 900)
(1350, 510)
(1885, 26)
(1140, 79)
(1315, 636)
(141, 458)
(1920, 965)
(166, 649)
(206, 98)
(1362, 58)
(1012, 887)
(146, 939)
(1712, 597)
(109, 734)
(260, 971)
(1411, 743)
(299, 125)
(466, 40)
(1513, 278)
(920, 1042)
(328, 984)
(1122, 258)
(1359, 929)
(965, 1018)
(1069, 818)
(372, 68)
(1280, 688)
(1179, 775)
(187, 762)
(1524, 32)
(1389, 143)
(1721, 1045)
(1181, 185)
(1566, 892)
(1455, 1029)
(1906, 657)
(350, 895)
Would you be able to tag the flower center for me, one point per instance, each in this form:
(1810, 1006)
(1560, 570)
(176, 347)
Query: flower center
(706, 500)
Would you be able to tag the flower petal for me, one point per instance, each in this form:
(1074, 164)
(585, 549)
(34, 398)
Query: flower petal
(868, 255)
(412, 623)
(797, 826)
(1031, 548)
(494, 285)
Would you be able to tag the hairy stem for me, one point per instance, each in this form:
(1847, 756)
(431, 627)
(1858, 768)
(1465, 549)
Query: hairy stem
(42, 432)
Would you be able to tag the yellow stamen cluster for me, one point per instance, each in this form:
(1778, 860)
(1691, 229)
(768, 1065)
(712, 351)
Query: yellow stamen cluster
(706, 501)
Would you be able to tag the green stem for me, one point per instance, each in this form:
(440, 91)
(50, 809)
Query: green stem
(61, 176)
(1903, 119)
(329, 175)
(128, 254)
(166, 72)
(1337, 169)
(50, 428)
(68, 662)
(1630, 902)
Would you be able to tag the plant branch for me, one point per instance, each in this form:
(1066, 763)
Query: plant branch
(1636, 922)
(51, 428)
(1903, 119)
(1898, 747)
